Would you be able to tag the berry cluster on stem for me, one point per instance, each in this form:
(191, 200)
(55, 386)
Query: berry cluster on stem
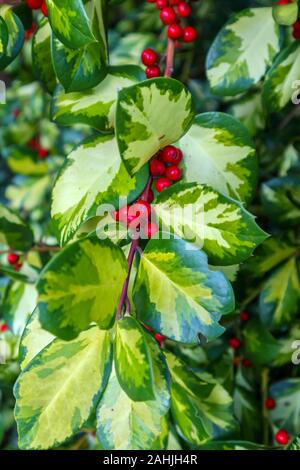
(13, 260)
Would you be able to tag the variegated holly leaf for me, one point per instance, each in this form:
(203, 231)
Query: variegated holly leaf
(93, 175)
(14, 232)
(294, 445)
(249, 110)
(3, 37)
(78, 69)
(260, 346)
(24, 161)
(201, 407)
(281, 199)
(70, 22)
(18, 303)
(177, 294)
(242, 51)
(218, 151)
(33, 340)
(123, 424)
(280, 296)
(15, 31)
(286, 414)
(279, 83)
(212, 221)
(95, 107)
(82, 284)
(145, 119)
(59, 389)
(41, 55)
(132, 359)
(97, 14)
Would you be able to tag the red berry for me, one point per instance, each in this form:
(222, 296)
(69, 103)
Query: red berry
(157, 167)
(234, 343)
(247, 363)
(34, 144)
(189, 34)
(141, 209)
(35, 4)
(283, 2)
(282, 437)
(150, 196)
(149, 56)
(174, 2)
(42, 153)
(44, 9)
(184, 9)
(13, 258)
(161, 184)
(296, 29)
(173, 173)
(116, 215)
(171, 154)
(167, 15)
(244, 316)
(17, 267)
(123, 215)
(3, 328)
(160, 4)
(159, 338)
(151, 1)
(152, 71)
(174, 31)
(150, 230)
(270, 403)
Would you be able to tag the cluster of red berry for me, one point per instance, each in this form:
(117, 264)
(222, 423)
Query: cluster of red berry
(14, 260)
(3, 328)
(296, 25)
(138, 216)
(172, 13)
(42, 152)
(164, 167)
(38, 5)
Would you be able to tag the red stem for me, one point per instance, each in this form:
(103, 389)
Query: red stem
(170, 58)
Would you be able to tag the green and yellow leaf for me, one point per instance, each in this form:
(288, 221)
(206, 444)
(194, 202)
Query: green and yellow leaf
(41, 55)
(14, 233)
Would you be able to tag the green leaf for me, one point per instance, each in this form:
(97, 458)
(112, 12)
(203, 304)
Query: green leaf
(281, 199)
(132, 359)
(24, 161)
(249, 110)
(13, 231)
(78, 69)
(97, 14)
(93, 174)
(33, 339)
(280, 296)
(70, 22)
(41, 55)
(232, 445)
(247, 408)
(242, 51)
(260, 346)
(212, 221)
(286, 415)
(82, 284)
(176, 294)
(3, 37)
(145, 119)
(15, 36)
(201, 408)
(219, 152)
(60, 388)
(123, 424)
(294, 445)
(19, 302)
(286, 15)
(278, 87)
(96, 106)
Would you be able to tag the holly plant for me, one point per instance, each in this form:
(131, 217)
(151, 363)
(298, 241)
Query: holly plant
(149, 224)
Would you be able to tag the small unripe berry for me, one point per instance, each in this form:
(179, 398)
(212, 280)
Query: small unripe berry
(282, 437)
(152, 71)
(174, 31)
(270, 403)
(44, 9)
(189, 34)
(160, 4)
(157, 167)
(150, 230)
(149, 56)
(244, 316)
(167, 15)
(171, 154)
(184, 9)
(3, 328)
(161, 184)
(35, 4)
(13, 258)
(234, 343)
(173, 173)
